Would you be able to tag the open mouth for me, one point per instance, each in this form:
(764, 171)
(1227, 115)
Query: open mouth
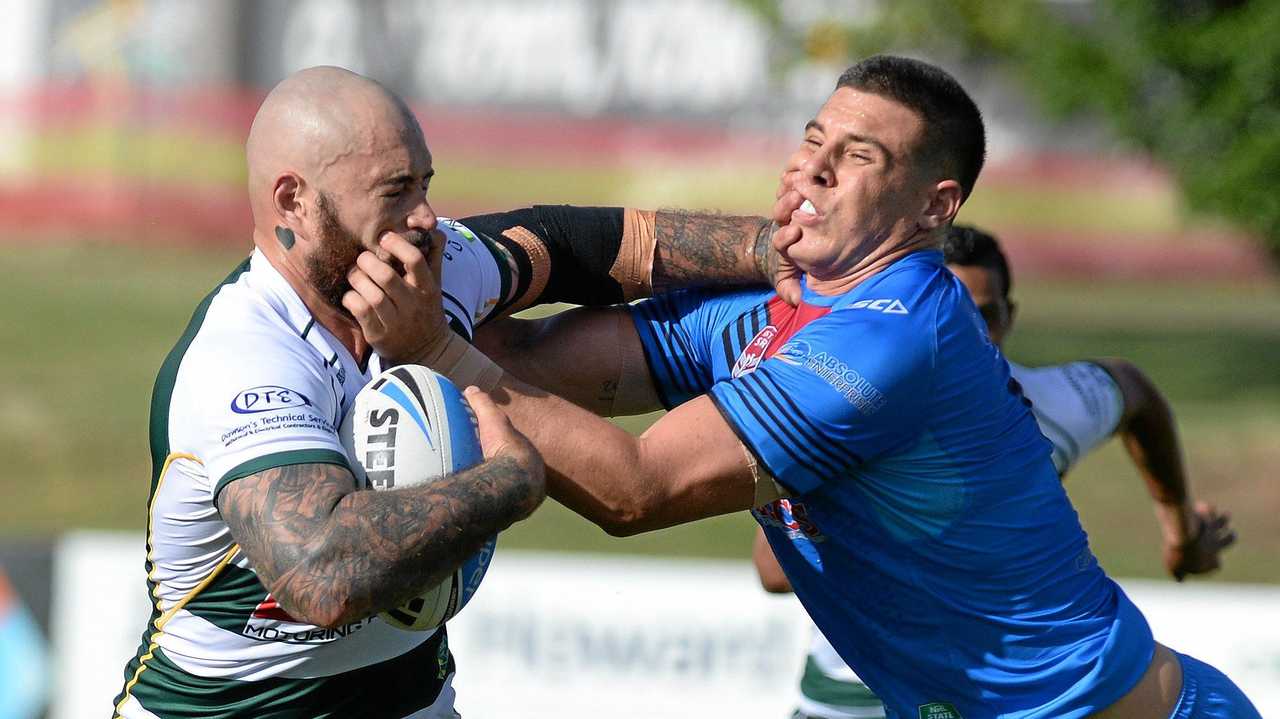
(806, 214)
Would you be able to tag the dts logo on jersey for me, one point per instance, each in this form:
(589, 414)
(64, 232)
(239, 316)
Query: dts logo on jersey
(267, 398)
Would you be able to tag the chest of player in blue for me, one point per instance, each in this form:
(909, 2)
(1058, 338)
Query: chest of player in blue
(923, 504)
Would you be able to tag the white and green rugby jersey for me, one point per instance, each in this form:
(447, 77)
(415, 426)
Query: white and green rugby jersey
(255, 383)
(1078, 407)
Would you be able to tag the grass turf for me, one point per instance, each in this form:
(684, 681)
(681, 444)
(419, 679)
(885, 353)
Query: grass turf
(85, 327)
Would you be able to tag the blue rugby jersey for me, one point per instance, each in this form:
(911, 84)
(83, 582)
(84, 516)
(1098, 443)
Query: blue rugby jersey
(928, 535)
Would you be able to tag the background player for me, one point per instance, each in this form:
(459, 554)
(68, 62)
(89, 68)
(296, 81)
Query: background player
(1078, 406)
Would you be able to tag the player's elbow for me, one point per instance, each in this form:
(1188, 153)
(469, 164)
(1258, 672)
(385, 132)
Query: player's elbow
(639, 498)
(618, 529)
(627, 519)
(634, 513)
(1143, 402)
(772, 578)
(335, 617)
(330, 612)
(775, 584)
(309, 595)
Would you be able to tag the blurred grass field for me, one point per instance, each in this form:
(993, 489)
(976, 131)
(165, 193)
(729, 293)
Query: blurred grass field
(86, 325)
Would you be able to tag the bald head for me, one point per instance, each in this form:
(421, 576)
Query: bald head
(320, 124)
(336, 161)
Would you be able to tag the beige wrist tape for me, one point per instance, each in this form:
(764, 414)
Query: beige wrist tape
(767, 488)
(633, 268)
(465, 365)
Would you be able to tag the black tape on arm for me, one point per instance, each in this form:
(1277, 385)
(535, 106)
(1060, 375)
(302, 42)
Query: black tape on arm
(581, 243)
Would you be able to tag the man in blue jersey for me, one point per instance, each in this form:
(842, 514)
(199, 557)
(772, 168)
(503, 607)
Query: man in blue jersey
(1078, 406)
(895, 466)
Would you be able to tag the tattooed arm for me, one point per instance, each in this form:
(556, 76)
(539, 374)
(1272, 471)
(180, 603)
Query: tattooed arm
(331, 555)
(702, 248)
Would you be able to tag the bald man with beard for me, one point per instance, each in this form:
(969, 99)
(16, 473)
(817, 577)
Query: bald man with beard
(266, 567)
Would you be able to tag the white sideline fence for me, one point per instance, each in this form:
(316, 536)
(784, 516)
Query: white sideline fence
(580, 635)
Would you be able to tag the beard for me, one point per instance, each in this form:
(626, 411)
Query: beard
(336, 251)
(335, 254)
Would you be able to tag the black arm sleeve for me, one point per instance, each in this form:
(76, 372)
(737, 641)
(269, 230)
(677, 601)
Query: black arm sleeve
(582, 243)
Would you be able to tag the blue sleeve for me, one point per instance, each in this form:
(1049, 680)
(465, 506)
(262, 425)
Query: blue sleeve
(846, 389)
(674, 332)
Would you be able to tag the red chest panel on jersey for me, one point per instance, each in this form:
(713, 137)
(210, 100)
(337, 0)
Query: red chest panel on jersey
(784, 321)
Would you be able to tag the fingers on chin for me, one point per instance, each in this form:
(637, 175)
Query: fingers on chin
(355, 304)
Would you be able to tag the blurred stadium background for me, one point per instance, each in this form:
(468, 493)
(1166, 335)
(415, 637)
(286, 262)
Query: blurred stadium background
(1126, 178)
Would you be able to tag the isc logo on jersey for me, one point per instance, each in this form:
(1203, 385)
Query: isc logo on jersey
(411, 426)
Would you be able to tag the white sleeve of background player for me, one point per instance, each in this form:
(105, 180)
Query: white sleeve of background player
(474, 283)
(1078, 406)
(250, 403)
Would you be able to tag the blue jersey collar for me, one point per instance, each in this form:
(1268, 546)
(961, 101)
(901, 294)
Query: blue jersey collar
(921, 259)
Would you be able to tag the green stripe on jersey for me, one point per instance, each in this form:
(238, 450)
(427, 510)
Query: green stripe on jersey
(161, 397)
(230, 600)
(504, 273)
(281, 459)
(387, 690)
(162, 393)
(499, 260)
(819, 687)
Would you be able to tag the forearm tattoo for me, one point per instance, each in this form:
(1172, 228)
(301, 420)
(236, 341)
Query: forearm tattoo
(331, 554)
(701, 248)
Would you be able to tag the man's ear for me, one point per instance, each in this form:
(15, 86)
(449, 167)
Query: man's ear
(944, 202)
(1013, 314)
(286, 197)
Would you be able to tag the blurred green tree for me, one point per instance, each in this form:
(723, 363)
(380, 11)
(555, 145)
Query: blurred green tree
(1195, 83)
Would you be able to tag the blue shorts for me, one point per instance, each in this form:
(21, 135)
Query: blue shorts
(1208, 694)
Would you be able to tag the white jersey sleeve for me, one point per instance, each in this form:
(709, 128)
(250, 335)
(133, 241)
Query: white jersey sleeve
(1077, 405)
(252, 401)
(477, 278)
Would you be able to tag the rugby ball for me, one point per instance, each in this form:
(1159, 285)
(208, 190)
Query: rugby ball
(411, 426)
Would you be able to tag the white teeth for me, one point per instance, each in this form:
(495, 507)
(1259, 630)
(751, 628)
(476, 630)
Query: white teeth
(808, 208)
